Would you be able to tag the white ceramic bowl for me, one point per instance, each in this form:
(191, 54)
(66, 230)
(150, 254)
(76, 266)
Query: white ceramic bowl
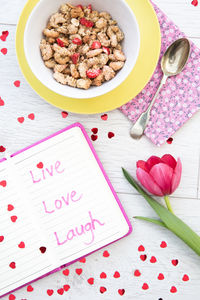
(119, 10)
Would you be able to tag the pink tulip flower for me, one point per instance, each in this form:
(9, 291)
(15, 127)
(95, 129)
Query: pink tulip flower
(160, 176)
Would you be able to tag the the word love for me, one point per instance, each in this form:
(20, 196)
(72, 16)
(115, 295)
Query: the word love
(43, 173)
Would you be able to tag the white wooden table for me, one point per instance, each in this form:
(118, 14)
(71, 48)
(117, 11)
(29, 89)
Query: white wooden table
(114, 153)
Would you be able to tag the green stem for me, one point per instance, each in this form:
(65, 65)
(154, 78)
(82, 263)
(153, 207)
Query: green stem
(167, 201)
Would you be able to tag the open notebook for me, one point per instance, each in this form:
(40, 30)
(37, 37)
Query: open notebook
(56, 205)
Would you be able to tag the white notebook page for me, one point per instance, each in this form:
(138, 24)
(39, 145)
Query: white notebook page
(72, 204)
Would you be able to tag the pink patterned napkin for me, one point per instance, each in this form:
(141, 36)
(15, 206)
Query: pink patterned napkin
(180, 97)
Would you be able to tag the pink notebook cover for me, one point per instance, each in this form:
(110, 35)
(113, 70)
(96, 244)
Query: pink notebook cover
(107, 180)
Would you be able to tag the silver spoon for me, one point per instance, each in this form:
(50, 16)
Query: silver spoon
(172, 63)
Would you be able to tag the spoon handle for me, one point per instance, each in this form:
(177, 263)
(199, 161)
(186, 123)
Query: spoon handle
(139, 127)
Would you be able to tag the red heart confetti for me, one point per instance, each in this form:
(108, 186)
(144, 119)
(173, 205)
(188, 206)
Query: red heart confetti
(137, 273)
(141, 248)
(121, 292)
(31, 116)
(1, 102)
(173, 289)
(3, 183)
(60, 291)
(145, 286)
(64, 114)
(160, 276)
(185, 277)
(106, 253)
(10, 207)
(102, 289)
(12, 297)
(66, 272)
(94, 137)
(66, 287)
(4, 51)
(82, 260)
(175, 262)
(13, 219)
(143, 257)
(17, 83)
(94, 130)
(12, 265)
(90, 281)
(103, 275)
(50, 292)
(153, 260)
(2, 149)
(110, 135)
(163, 244)
(116, 274)
(43, 249)
(169, 141)
(40, 165)
(30, 288)
(4, 35)
(194, 2)
(21, 245)
(104, 117)
(1, 238)
(20, 120)
(79, 271)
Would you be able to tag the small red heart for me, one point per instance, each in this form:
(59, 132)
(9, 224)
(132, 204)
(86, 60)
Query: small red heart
(194, 2)
(1, 102)
(103, 275)
(121, 291)
(79, 271)
(30, 288)
(90, 281)
(153, 260)
(66, 272)
(50, 292)
(10, 207)
(137, 273)
(102, 289)
(110, 135)
(173, 289)
(145, 286)
(3, 183)
(169, 141)
(163, 244)
(160, 276)
(94, 130)
(31, 116)
(12, 265)
(1, 238)
(175, 262)
(106, 253)
(66, 287)
(4, 51)
(21, 245)
(20, 120)
(2, 149)
(94, 137)
(185, 277)
(13, 219)
(40, 165)
(82, 260)
(143, 257)
(116, 274)
(104, 117)
(64, 114)
(12, 297)
(60, 291)
(17, 83)
(43, 249)
(4, 35)
(141, 248)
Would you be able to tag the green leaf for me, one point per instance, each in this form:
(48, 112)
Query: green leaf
(160, 223)
(173, 223)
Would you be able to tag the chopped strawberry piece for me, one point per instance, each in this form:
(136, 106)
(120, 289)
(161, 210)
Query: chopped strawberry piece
(86, 22)
(106, 50)
(60, 43)
(83, 21)
(81, 6)
(75, 58)
(77, 41)
(90, 7)
(93, 73)
(96, 45)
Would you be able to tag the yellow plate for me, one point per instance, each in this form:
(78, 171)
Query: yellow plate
(135, 82)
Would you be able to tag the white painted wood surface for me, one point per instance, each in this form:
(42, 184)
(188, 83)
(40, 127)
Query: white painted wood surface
(114, 153)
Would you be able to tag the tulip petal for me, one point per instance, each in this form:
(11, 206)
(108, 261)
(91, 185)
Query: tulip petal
(169, 160)
(143, 165)
(148, 183)
(176, 176)
(162, 175)
(153, 160)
